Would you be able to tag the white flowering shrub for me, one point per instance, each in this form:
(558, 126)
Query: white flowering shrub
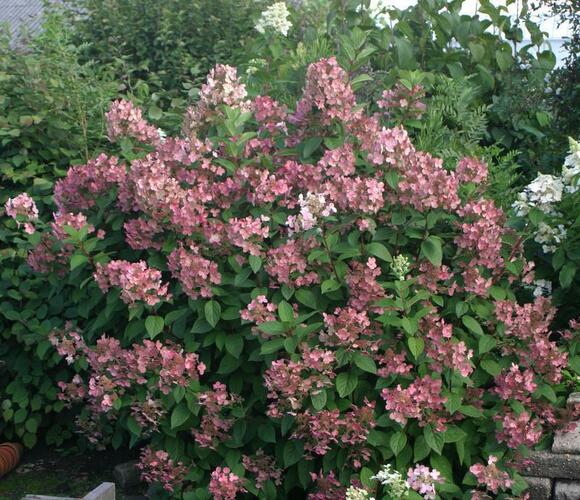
(549, 208)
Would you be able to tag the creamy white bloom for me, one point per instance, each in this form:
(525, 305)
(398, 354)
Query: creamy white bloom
(541, 288)
(162, 135)
(378, 12)
(275, 18)
(400, 266)
(571, 168)
(549, 237)
(353, 493)
(312, 207)
(393, 482)
(543, 193)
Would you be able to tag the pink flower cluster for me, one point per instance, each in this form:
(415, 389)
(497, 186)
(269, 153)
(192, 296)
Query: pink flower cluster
(158, 467)
(350, 329)
(471, 170)
(423, 480)
(259, 311)
(225, 485)
(290, 382)
(115, 372)
(328, 487)
(22, 208)
(126, 120)
(83, 184)
(213, 427)
(491, 476)
(321, 430)
(223, 87)
(404, 100)
(422, 401)
(263, 467)
(136, 280)
(442, 349)
(517, 430)
(195, 273)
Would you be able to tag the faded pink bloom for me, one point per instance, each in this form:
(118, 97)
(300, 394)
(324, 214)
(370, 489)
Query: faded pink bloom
(158, 467)
(126, 120)
(263, 467)
(224, 484)
(22, 209)
(136, 280)
(423, 481)
(195, 273)
(471, 170)
(491, 476)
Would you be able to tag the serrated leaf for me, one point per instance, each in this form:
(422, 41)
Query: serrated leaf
(491, 367)
(346, 383)
(431, 248)
(255, 263)
(329, 285)
(213, 312)
(179, 415)
(416, 346)
(318, 400)
(77, 260)
(435, 440)
(285, 311)
(307, 298)
(486, 343)
(271, 346)
(397, 442)
(293, 452)
(234, 344)
(379, 250)
(472, 324)
(365, 363)
(154, 326)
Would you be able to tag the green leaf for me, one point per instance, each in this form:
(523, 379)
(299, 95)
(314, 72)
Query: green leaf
(365, 477)
(307, 298)
(441, 463)
(365, 363)
(293, 452)
(346, 383)
(472, 324)
(397, 442)
(272, 327)
(435, 440)
(133, 426)
(486, 343)
(77, 260)
(546, 391)
(154, 326)
(379, 250)
(234, 344)
(213, 312)
(255, 263)
(285, 311)
(416, 346)
(179, 415)
(271, 346)
(504, 59)
(329, 285)
(318, 400)
(311, 145)
(155, 112)
(477, 51)
(491, 367)
(567, 274)
(431, 248)
(454, 434)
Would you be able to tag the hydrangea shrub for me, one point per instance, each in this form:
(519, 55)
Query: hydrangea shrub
(289, 302)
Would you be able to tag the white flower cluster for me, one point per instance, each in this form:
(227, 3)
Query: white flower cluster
(275, 18)
(393, 482)
(400, 267)
(358, 494)
(542, 193)
(377, 11)
(162, 135)
(549, 236)
(571, 168)
(541, 288)
(545, 192)
(312, 207)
